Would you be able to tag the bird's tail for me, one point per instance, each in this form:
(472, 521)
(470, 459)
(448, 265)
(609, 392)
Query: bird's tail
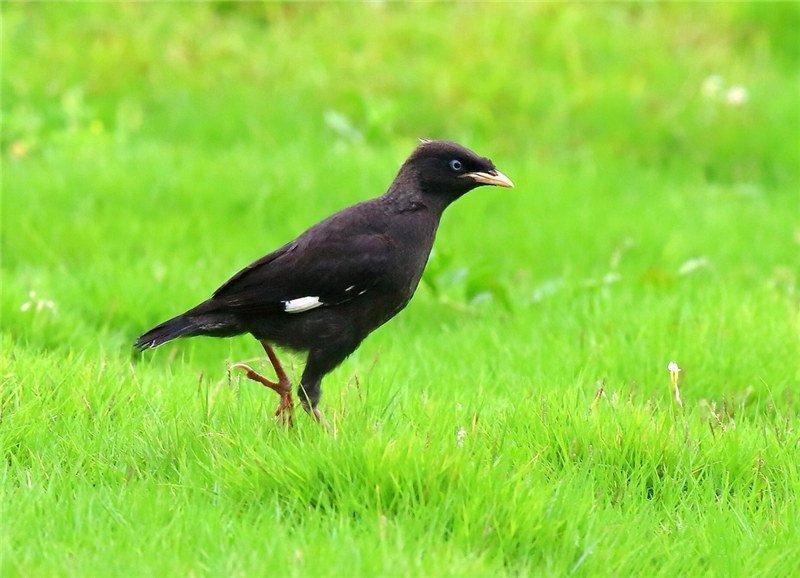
(179, 326)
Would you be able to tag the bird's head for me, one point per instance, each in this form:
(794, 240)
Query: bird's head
(447, 170)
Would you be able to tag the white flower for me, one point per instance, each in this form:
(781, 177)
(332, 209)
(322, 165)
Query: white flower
(460, 436)
(673, 379)
(36, 303)
(736, 95)
(714, 89)
(693, 265)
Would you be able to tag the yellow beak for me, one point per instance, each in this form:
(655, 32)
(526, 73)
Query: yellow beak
(495, 178)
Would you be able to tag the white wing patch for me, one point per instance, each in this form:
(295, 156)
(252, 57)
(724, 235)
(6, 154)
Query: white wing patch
(301, 304)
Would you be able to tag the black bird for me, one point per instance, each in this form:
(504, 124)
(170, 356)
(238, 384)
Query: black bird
(324, 292)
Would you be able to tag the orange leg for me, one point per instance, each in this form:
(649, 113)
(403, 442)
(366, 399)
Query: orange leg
(282, 387)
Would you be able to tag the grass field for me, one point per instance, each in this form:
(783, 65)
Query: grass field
(517, 419)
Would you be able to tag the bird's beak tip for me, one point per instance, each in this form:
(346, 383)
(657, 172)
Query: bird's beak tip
(506, 182)
(493, 177)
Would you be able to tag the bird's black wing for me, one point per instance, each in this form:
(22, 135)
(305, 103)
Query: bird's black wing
(313, 271)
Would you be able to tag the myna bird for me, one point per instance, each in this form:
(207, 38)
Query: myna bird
(324, 292)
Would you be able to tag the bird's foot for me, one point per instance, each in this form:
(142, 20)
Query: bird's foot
(316, 414)
(282, 387)
(284, 411)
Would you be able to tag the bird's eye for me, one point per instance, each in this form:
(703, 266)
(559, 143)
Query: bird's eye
(455, 164)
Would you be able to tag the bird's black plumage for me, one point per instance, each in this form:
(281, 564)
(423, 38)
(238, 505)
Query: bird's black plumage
(325, 291)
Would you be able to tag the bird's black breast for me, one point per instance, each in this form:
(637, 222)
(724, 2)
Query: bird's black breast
(412, 234)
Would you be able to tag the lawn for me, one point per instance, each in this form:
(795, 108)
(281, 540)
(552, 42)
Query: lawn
(518, 418)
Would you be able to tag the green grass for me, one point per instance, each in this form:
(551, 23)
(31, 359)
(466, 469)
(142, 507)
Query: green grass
(150, 150)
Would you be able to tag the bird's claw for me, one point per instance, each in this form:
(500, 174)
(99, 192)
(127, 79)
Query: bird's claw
(284, 411)
(281, 387)
(246, 368)
(316, 414)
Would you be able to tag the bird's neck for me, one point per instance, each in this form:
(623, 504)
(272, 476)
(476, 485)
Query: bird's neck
(404, 199)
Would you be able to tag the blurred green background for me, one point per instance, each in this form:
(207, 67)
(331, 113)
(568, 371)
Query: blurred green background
(150, 150)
